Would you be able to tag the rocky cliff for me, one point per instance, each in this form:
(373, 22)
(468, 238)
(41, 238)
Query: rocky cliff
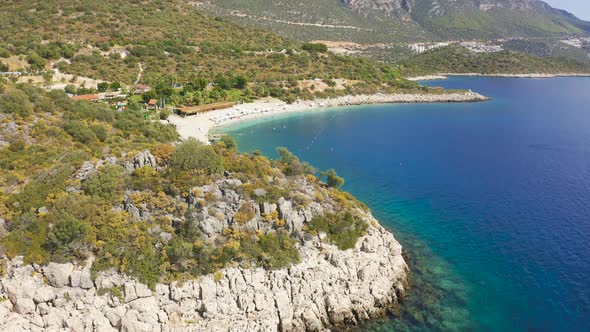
(329, 287)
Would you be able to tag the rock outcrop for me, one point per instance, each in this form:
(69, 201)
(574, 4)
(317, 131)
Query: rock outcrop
(329, 287)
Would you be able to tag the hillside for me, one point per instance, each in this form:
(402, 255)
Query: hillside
(170, 44)
(388, 21)
(108, 208)
(454, 59)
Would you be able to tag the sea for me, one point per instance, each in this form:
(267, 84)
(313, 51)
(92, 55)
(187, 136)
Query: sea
(491, 200)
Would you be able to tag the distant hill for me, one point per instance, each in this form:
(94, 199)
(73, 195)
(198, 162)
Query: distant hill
(383, 21)
(454, 59)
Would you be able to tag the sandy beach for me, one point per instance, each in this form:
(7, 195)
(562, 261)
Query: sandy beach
(199, 126)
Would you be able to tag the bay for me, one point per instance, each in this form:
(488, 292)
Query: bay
(490, 200)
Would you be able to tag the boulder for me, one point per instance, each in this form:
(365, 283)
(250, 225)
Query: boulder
(58, 275)
(145, 158)
(44, 294)
(24, 306)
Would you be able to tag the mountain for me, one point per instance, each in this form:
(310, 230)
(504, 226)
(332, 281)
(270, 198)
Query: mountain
(395, 20)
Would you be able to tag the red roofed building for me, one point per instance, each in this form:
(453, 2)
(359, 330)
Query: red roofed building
(86, 97)
(152, 104)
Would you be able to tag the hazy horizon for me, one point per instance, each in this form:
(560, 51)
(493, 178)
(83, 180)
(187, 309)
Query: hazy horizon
(580, 8)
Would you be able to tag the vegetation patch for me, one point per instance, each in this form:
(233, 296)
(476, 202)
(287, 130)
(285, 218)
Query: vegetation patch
(342, 229)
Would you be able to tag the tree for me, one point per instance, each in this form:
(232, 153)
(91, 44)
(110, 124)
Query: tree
(102, 86)
(199, 84)
(100, 132)
(292, 165)
(149, 95)
(241, 82)
(115, 86)
(193, 156)
(223, 82)
(285, 155)
(332, 179)
(36, 61)
(71, 89)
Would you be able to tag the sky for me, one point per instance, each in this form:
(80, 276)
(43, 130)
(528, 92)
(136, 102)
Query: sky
(580, 8)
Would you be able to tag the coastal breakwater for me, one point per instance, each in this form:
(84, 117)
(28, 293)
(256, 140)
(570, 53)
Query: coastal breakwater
(329, 287)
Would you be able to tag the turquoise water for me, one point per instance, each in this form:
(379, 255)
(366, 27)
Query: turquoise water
(491, 200)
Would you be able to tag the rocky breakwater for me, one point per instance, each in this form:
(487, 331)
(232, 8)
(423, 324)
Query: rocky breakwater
(328, 287)
(384, 98)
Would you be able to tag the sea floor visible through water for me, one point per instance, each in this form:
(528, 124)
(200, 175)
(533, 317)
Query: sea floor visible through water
(489, 200)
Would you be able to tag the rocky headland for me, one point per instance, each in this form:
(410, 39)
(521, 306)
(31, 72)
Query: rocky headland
(328, 287)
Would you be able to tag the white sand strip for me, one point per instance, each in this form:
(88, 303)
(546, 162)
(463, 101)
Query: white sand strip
(199, 126)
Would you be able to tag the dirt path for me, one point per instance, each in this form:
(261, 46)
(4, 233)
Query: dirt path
(139, 74)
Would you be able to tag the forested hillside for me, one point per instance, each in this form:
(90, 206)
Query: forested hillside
(172, 44)
(460, 60)
(78, 180)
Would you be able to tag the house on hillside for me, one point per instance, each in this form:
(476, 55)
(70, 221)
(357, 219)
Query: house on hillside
(152, 104)
(141, 89)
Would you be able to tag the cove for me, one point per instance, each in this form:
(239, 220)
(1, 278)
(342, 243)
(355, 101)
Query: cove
(491, 200)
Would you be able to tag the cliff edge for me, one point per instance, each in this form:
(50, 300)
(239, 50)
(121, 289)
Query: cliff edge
(324, 288)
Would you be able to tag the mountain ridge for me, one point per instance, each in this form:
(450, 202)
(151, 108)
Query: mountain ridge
(413, 20)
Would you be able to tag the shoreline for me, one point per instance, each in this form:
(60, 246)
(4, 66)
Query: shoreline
(445, 76)
(200, 126)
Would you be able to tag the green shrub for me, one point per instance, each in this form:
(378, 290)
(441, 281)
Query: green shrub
(193, 156)
(106, 183)
(229, 142)
(67, 238)
(15, 101)
(165, 114)
(342, 229)
(277, 251)
(17, 145)
(79, 131)
(315, 47)
(99, 131)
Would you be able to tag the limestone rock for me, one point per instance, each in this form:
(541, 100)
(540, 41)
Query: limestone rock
(143, 159)
(329, 287)
(58, 275)
(24, 306)
(44, 294)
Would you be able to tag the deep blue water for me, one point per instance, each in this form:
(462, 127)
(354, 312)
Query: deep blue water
(491, 200)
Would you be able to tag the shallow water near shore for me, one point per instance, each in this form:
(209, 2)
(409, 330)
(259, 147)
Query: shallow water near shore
(490, 200)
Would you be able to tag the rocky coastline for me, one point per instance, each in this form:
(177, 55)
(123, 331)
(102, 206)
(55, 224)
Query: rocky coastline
(444, 76)
(329, 287)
